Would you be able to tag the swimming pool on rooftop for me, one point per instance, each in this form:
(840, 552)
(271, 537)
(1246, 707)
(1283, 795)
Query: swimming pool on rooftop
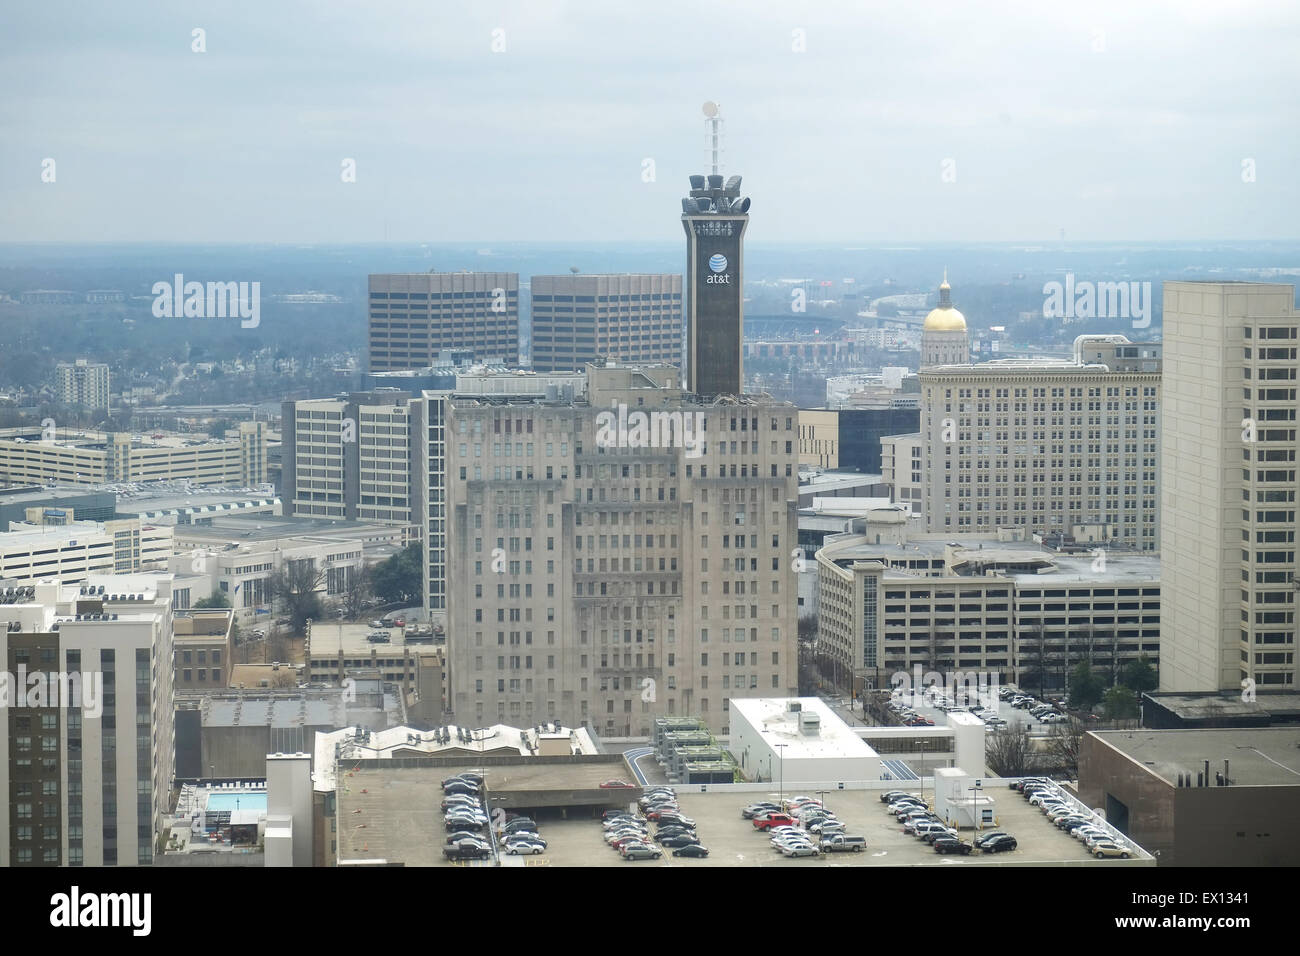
(248, 800)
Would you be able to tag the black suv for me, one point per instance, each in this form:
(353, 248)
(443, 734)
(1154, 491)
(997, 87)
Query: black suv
(999, 844)
(945, 844)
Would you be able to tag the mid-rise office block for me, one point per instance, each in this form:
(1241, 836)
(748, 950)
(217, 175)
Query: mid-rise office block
(582, 319)
(82, 383)
(1069, 447)
(87, 782)
(1229, 503)
(349, 458)
(415, 316)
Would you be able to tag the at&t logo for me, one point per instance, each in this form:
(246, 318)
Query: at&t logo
(718, 263)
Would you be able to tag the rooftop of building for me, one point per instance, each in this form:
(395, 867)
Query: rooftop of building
(471, 744)
(19, 534)
(263, 527)
(830, 480)
(249, 709)
(328, 638)
(1025, 562)
(1228, 705)
(1257, 756)
(98, 441)
(780, 726)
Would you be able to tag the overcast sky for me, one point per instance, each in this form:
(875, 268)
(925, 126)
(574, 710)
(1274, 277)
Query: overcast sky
(1117, 119)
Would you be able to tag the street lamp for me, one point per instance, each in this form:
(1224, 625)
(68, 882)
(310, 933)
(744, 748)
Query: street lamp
(781, 786)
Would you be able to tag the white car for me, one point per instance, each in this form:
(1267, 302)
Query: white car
(805, 849)
(525, 848)
(1054, 719)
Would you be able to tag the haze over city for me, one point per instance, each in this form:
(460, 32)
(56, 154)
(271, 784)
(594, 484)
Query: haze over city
(522, 121)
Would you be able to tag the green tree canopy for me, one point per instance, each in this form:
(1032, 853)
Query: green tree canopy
(1086, 688)
(1120, 703)
(1139, 675)
(401, 578)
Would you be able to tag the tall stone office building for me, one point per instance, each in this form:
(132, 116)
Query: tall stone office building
(604, 576)
(1228, 508)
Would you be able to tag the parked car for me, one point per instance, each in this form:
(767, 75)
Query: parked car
(827, 827)
(1000, 844)
(842, 843)
(467, 777)
(642, 853)
(457, 835)
(376, 624)
(677, 839)
(797, 850)
(989, 836)
(1108, 848)
(467, 852)
(892, 795)
(749, 811)
(932, 835)
(952, 845)
(525, 847)
(691, 850)
(773, 820)
(617, 785)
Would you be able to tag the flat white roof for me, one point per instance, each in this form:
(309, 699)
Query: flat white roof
(777, 725)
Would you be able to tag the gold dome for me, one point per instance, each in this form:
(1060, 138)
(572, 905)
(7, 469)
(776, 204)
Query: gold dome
(945, 320)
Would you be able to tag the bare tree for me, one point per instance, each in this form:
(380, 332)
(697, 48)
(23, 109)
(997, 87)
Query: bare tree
(357, 592)
(1064, 743)
(295, 586)
(1010, 753)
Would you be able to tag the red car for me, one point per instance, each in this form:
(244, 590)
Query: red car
(775, 820)
(615, 785)
(399, 623)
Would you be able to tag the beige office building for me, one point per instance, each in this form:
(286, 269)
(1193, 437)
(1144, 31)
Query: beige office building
(29, 455)
(579, 319)
(415, 316)
(605, 577)
(1067, 447)
(1229, 503)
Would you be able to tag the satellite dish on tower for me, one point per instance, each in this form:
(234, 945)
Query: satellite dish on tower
(710, 109)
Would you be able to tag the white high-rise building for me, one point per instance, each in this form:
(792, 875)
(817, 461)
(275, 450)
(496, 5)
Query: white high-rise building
(82, 383)
(1228, 508)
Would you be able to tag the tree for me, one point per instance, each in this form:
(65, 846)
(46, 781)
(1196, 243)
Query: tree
(400, 579)
(1064, 742)
(1009, 752)
(217, 599)
(1139, 675)
(295, 587)
(1120, 703)
(356, 592)
(1086, 688)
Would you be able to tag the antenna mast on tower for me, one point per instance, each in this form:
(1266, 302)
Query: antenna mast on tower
(714, 117)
